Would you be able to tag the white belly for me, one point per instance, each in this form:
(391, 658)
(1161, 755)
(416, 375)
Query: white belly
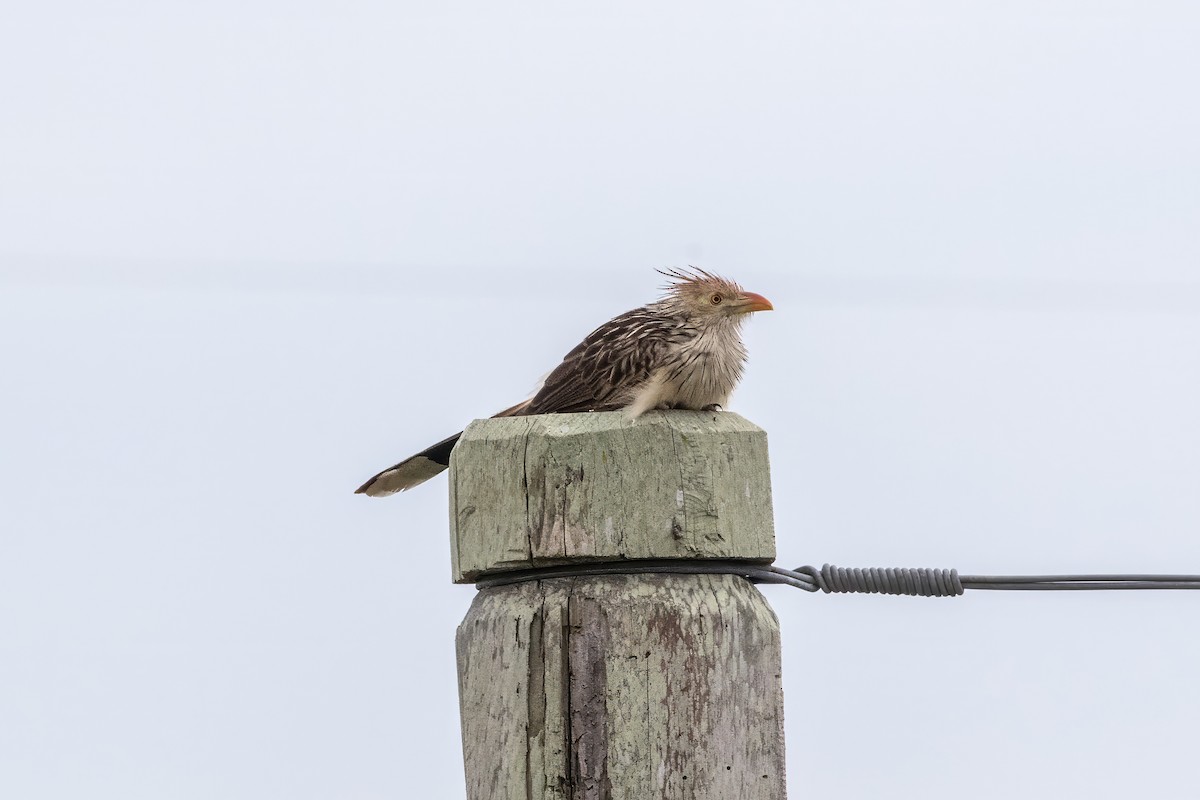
(703, 374)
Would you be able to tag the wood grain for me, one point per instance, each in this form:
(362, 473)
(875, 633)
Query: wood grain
(607, 688)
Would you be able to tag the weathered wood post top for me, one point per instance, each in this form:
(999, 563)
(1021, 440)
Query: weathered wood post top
(568, 488)
(621, 686)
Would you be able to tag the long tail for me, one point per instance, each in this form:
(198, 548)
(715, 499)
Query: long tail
(417, 469)
(411, 471)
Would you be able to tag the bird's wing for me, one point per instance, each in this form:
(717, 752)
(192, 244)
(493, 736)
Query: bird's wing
(601, 373)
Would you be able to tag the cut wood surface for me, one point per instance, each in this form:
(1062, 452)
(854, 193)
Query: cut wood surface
(567, 488)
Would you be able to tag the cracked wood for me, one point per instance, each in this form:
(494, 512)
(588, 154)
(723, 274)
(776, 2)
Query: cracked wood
(568, 488)
(622, 688)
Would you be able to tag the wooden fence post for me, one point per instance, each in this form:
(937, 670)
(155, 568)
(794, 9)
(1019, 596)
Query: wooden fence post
(621, 687)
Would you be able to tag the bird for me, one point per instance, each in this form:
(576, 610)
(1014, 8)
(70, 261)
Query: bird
(682, 351)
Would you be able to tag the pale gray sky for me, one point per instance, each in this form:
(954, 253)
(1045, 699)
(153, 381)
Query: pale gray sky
(250, 253)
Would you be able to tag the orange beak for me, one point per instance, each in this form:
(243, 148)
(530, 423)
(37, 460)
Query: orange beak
(749, 301)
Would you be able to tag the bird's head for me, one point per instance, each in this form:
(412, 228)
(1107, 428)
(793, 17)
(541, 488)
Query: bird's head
(708, 298)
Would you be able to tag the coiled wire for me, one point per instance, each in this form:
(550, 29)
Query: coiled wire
(911, 581)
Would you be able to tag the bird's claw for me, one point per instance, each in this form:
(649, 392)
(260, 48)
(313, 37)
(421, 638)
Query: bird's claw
(713, 407)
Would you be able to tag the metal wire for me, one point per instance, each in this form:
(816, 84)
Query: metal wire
(756, 573)
(1079, 582)
(910, 581)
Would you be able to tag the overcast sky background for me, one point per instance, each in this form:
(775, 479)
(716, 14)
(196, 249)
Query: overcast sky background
(251, 253)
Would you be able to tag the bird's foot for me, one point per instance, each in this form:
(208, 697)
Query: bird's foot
(713, 407)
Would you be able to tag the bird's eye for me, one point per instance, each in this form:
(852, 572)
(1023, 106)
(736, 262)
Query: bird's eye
(716, 299)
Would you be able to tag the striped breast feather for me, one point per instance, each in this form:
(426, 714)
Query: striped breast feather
(602, 371)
